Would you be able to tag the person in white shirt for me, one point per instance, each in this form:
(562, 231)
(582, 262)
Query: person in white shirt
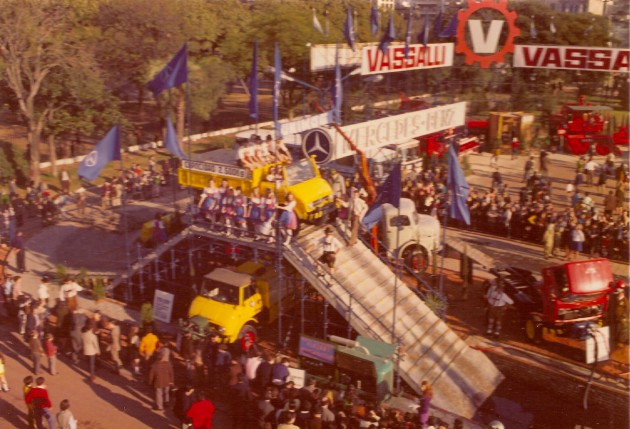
(359, 209)
(330, 246)
(68, 294)
(590, 168)
(498, 301)
(42, 292)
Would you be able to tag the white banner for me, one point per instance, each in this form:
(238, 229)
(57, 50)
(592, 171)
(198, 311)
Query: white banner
(572, 58)
(373, 61)
(323, 56)
(399, 128)
(307, 123)
(163, 306)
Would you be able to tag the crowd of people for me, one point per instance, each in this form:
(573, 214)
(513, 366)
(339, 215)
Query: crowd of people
(567, 222)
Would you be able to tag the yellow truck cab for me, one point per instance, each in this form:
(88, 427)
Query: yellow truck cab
(234, 301)
(302, 178)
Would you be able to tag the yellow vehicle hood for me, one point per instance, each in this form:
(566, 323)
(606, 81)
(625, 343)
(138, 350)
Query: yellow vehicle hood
(215, 311)
(311, 190)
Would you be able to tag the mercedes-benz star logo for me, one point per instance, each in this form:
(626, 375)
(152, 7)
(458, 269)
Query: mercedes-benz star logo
(317, 143)
(91, 159)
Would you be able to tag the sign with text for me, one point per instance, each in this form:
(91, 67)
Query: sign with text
(220, 169)
(297, 376)
(163, 306)
(323, 56)
(397, 129)
(572, 58)
(306, 123)
(319, 350)
(373, 61)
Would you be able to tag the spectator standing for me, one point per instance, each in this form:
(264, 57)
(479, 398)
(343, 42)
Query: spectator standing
(337, 183)
(69, 292)
(280, 372)
(529, 169)
(65, 418)
(161, 378)
(425, 402)
(330, 247)
(590, 168)
(288, 218)
(358, 210)
(184, 398)
(577, 242)
(114, 347)
(148, 345)
(65, 181)
(51, 353)
(43, 291)
(498, 300)
(40, 401)
(37, 352)
(516, 144)
(544, 163)
(4, 385)
(263, 372)
(20, 251)
(28, 385)
(91, 349)
(201, 412)
(548, 239)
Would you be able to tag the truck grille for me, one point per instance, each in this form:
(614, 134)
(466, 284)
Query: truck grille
(580, 313)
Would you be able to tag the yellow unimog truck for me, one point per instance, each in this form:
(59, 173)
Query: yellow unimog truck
(302, 178)
(233, 302)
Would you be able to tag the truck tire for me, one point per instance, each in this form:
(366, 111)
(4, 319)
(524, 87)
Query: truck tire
(416, 258)
(533, 330)
(248, 331)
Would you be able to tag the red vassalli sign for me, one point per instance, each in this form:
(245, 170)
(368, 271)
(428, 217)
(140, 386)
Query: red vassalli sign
(374, 61)
(572, 58)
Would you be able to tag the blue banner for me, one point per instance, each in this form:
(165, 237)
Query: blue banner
(106, 150)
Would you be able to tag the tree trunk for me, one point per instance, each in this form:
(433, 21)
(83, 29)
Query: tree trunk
(180, 112)
(33, 148)
(53, 154)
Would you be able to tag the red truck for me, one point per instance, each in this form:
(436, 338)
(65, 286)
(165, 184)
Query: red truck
(559, 306)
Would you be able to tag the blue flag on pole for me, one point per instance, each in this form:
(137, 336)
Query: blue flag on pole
(408, 35)
(348, 29)
(374, 19)
(316, 25)
(437, 24)
(173, 74)
(277, 79)
(451, 28)
(458, 186)
(532, 29)
(423, 37)
(389, 192)
(253, 85)
(338, 89)
(389, 36)
(106, 150)
(170, 143)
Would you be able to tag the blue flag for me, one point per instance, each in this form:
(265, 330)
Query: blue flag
(374, 19)
(458, 186)
(451, 28)
(175, 73)
(389, 36)
(389, 192)
(532, 29)
(316, 25)
(348, 29)
(408, 34)
(437, 24)
(170, 143)
(277, 79)
(106, 150)
(338, 90)
(423, 37)
(253, 85)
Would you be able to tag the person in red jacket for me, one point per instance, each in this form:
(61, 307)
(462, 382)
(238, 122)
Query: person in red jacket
(38, 398)
(201, 412)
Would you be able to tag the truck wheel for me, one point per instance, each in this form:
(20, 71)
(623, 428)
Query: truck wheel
(533, 330)
(417, 259)
(248, 332)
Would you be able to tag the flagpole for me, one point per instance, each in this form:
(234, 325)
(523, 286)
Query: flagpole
(125, 220)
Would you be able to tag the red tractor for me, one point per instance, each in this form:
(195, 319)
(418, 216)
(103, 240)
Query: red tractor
(582, 125)
(560, 306)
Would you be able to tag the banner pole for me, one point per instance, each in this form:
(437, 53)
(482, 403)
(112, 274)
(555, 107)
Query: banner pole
(125, 220)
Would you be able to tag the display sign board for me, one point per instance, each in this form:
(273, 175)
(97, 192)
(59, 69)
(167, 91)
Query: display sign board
(219, 169)
(163, 306)
(373, 61)
(306, 123)
(297, 376)
(320, 350)
(397, 129)
(323, 56)
(572, 58)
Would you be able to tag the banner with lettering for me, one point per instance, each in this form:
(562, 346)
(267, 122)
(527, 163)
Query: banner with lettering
(374, 61)
(572, 58)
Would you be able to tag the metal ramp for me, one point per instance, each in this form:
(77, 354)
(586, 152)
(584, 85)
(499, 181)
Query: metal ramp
(363, 289)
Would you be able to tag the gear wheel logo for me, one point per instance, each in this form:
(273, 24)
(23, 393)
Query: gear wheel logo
(463, 17)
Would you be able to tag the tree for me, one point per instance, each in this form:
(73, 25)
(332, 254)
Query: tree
(35, 39)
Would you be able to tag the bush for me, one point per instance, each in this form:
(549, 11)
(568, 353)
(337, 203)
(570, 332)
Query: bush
(98, 289)
(13, 163)
(146, 314)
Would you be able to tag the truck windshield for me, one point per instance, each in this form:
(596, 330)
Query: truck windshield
(220, 292)
(299, 172)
